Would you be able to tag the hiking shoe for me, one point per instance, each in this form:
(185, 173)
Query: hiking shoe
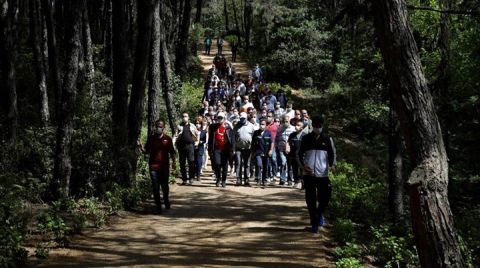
(321, 221)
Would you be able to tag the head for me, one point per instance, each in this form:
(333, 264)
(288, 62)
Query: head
(263, 124)
(317, 124)
(299, 126)
(277, 105)
(298, 114)
(220, 117)
(305, 113)
(270, 117)
(159, 127)
(185, 118)
(199, 122)
(243, 118)
(246, 99)
(289, 106)
(286, 120)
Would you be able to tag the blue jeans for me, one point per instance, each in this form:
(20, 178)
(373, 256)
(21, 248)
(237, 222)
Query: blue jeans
(199, 156)
(262, 162)
(282, 157)
(160, 179)
(272, 165)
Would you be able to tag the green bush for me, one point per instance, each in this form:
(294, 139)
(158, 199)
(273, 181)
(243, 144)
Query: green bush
(350, 250)
(344, 231)
(94, 212)
(391, 250)
(41, 251)
(349, 263)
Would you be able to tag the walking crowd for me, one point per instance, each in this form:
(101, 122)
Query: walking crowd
(249, 132)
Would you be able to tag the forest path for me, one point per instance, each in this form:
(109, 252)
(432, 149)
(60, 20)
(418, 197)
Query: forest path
(241, 67)
(207, 226)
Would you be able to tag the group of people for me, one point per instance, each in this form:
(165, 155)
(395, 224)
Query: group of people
(252, 133)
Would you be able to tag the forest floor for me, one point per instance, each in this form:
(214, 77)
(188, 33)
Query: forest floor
(207, 226)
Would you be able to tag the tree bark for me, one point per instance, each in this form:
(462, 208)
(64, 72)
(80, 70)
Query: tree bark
(154, 71)
(8, 26)
(225, 14)
(237, 25)
(248, 22)
(62, 165)
(432, 218)
(108, 39)
(52, 54)
(120, 87)
(146, 9)
(181, 51)
(395, 164)
(166, 75)
(36, 42)
(198, 11)
(88, 55)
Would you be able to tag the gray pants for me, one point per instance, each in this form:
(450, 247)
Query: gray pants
(242, 159)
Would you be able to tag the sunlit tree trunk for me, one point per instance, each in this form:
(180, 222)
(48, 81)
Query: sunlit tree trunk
(154, 71)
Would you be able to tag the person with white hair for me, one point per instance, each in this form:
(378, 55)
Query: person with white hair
(243, 134)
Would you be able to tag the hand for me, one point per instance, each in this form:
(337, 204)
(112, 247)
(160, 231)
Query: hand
(270, 153)
(307, 171)
(333, 169)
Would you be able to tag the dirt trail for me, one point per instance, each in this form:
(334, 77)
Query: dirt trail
(206, 227)
(240, 66)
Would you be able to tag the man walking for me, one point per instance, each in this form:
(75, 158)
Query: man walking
(186, 139)
(220, 143)
(317, 154)
(160, 149)
(243, 134)
(281, 140)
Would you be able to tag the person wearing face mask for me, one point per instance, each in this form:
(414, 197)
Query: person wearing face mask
(279, 111)
(185, 140)
(262, 149)
(307, 122)
(317, 154)
(243, 134)
(281, 140)
(160, 149)
(199, 153)
(290, 112)
(220, 148)
(272, 164)
(293, 149)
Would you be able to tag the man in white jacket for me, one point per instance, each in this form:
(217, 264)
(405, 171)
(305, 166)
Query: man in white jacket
(317, 155)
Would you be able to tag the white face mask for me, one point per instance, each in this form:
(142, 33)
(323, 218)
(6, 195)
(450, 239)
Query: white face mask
(158, 131)
(262, 127)
(185, 119)
(199, 126)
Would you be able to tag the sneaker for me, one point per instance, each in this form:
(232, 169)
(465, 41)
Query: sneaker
(321, 221)
(224, 184)
(314, 229)
(281, 183)
(167, 206)
(239, 182)
(190, 182)
(217, 184)
(289, 183)
(184, 183)
(247, 184)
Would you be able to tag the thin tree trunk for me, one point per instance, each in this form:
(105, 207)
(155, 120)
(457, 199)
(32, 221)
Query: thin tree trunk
(62, 165)
(198, 12)
(181, 51)
(395, 164)
(166, 75)
(108, 39)
(146, 9)
(237, 25)
(52, 54)
(120, 87)
(88, 55)
(225, 14)
(248, 22)
(432, 218)
(36, 42)
(154, 71)
(8, 26)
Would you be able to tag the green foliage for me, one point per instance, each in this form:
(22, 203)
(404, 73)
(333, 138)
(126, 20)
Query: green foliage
(94, 212)
(344, 231)
(12, 223)
(391, 250)
(349, 262)
(52, 222)
(41, 252)
(350, 250)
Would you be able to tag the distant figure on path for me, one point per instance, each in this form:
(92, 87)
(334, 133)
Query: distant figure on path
(208, 44)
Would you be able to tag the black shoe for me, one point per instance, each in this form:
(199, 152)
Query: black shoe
(247, 184)
(167, 206)
(190, 182)
(282, 183)
(217, 184)
(290, 183)
(158, 211)
(184, 183)
(239, 182)
(224, 184)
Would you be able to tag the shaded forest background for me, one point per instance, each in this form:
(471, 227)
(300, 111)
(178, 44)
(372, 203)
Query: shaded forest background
(81, 81)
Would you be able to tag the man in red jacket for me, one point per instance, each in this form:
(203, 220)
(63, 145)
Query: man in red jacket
(160, 148)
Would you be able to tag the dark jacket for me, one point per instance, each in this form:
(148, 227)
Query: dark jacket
(318, 154)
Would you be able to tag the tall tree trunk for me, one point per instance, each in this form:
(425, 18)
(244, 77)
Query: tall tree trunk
(53, 65)
(8, 26)
(88, 54)
(108, 39)
(146, 9)
(62, 165)
(248, 22)
(235, 17)
(36, 43)
(120, 87)
(198, 11)
(225, 14)
(442, 83)
(181, 51)
(432, 219)
(166, 74)
(395, 164)
(154, 71)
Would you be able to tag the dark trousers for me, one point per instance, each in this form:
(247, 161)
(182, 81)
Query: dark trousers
(262, 165)
(186, 154)
(199, 155)
(234, 55)
(207, 49)
(220, 162)
(317, 195)
(160, 179)
(242, 158)
(296, 170)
